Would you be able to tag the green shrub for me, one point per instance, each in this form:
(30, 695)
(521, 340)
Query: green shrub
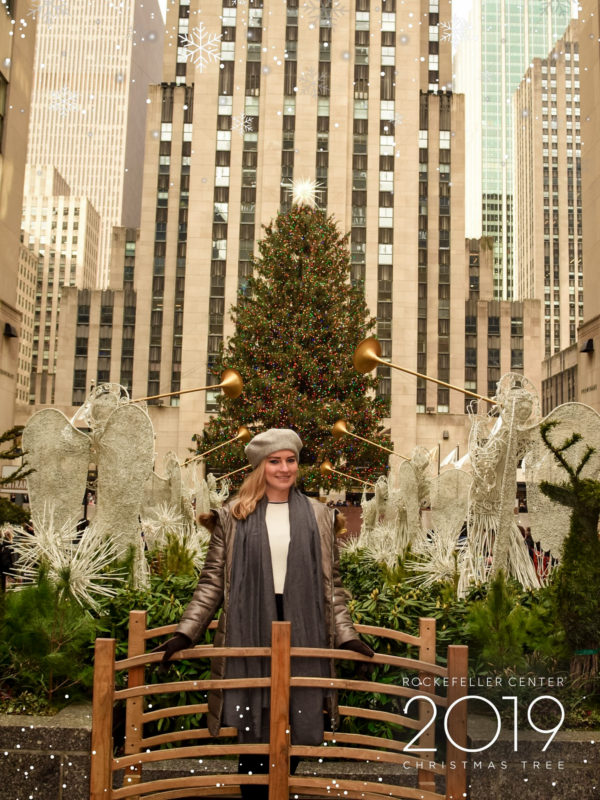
(44, 640)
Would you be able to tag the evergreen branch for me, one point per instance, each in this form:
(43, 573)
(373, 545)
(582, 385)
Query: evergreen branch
(22, 472)
(586, 457)
(568, 443)
(559, 493)
(11, 435)
(557, 452)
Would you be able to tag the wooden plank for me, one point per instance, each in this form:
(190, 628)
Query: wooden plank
(383, 716)
(349, 655)
(189, 686)
(353, 738)
(102, 709)
(302, 784)
(367, 740)
(194, 751)
(134, 708)
(352, 753)
(194, 653)
(204, 791)
(425, 778)
(154, 633)
(387, 633)
(367, 686)
(456, 779)
(213, 782)
(279, 747)
(175, 711)
(208, 651)
(181, 736)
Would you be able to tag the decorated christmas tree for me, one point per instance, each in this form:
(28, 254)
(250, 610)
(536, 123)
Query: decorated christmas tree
(298, 322)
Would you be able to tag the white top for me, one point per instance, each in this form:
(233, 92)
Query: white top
(278, 529)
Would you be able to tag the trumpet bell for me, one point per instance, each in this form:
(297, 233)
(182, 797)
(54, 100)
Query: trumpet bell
(326, 468)
(339, 429)
(367, 355)
(244, 434)
(231, 383)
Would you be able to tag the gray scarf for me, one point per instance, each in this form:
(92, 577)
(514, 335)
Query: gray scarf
(252, 609)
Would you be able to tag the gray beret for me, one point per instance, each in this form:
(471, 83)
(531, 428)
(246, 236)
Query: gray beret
(267, 442)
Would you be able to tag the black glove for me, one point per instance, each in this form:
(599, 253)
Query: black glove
(179, 642)
(359, 647)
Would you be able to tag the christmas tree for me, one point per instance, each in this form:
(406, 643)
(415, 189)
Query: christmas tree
(298, 322)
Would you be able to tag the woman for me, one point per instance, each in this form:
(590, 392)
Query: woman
(272, 556)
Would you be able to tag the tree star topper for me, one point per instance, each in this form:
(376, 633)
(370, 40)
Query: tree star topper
(304, 192)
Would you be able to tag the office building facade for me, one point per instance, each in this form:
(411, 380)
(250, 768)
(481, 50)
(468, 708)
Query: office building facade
(548, 207)
(17, 41)
(62, 232)
(493, 51)
(93, 64)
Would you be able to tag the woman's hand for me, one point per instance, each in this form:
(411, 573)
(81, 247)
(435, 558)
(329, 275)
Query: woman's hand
(179, 642)
(358, 646)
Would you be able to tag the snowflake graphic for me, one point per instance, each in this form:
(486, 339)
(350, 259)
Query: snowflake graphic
(47, 11)
(311, 83)
(200, 47)
(64, 101)
(456, 32)
(242, 124)
(325, 15)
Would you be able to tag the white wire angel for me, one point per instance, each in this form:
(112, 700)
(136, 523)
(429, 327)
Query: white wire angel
(496, 445)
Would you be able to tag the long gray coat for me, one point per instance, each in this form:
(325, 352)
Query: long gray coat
(212, 592)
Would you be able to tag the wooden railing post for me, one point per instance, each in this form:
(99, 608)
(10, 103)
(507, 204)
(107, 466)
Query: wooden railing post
(456, 779)
(134, 706)
(426, 779)
(102, 718)
(279, 747)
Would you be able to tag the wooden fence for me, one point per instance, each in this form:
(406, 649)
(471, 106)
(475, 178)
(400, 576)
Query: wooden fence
(140, 750)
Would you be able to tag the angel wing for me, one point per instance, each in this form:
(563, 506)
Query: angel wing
(59, 454)
(125, 453)
(449, 499)
(549, 521)
(168, 489)
(403, 506)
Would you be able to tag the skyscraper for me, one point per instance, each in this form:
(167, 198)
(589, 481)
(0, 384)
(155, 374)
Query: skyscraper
(93, 63)
(493, 50)
(548, 211)
(17, 41)
(62, 232)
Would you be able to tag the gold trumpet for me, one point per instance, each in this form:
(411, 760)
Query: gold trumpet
(243, 434)
(327, 467)
(340, 429)
(368, 354)
(231, 383)
(229, 474)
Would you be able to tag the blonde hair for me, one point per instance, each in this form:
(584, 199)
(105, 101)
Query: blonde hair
(251, 491)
